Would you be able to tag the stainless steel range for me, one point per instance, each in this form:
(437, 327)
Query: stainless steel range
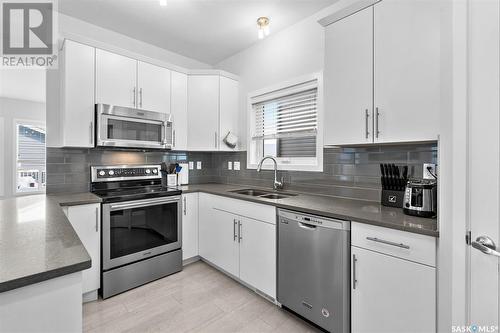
(141, 226)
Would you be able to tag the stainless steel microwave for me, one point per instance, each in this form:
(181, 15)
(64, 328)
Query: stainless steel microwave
(118, 126)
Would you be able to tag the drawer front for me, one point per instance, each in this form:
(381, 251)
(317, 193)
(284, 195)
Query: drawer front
(265, 213)
(401, 244)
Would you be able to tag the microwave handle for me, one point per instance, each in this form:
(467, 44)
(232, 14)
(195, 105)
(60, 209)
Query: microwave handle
(165, 142)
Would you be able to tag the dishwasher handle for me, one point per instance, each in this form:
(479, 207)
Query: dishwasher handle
(307, 226)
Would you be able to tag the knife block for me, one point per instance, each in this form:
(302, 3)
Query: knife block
(392, 198)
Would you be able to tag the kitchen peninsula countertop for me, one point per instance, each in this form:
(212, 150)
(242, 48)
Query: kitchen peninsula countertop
(341, 208)
(37, 242)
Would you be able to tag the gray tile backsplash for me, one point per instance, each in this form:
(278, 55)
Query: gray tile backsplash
(347, 172)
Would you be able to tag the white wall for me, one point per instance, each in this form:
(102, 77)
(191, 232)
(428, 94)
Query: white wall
(72, 28)
(293, 52)
(10, 110)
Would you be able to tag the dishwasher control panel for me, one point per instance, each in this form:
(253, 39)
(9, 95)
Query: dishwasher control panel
(312, 220)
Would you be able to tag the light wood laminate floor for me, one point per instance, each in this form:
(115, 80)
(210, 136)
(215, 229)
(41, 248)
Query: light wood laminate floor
(198, 299)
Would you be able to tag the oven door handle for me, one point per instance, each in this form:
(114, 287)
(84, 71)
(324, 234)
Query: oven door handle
(144, 203)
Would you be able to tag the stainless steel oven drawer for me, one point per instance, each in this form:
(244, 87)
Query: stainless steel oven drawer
(133, 275)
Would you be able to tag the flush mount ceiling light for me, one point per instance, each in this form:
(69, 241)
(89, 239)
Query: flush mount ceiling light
(263, 24)
(163, 3)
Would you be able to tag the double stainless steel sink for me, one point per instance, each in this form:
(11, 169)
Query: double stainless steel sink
(263, 193)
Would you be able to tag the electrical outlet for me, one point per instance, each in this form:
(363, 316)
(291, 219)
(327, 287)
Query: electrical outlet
(230, 165)
(198, 165)
(191, 165)
(236, 165)
(429, 171)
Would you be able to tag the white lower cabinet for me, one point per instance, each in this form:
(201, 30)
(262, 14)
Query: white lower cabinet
(237, 243)
(86, 220)
(189, 225)
(389, 293)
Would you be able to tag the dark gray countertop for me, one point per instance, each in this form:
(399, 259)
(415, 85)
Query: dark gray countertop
(37, 242)
(354, 210)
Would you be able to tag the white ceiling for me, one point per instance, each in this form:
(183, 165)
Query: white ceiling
(206, 30)
(25, 84)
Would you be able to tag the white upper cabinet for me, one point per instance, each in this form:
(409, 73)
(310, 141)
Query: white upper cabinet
(116, 79)
(203, 112)
(349, 80)
(382, 74)
(179, 91)
(153, 88)
(228, 112)
(70, 115)
(407, 70)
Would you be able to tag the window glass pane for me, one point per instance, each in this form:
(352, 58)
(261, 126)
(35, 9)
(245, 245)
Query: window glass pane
(270, 147)
(30, 162)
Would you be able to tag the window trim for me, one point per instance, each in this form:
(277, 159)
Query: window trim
(16, 122)
(290, 164)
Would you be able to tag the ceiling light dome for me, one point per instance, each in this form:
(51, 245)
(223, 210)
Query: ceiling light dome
(263, 24)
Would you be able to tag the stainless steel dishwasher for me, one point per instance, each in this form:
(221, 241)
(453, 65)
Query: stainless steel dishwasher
(314, 268)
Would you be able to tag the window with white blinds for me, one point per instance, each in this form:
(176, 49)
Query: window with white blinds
(292, 112)
(286, 121)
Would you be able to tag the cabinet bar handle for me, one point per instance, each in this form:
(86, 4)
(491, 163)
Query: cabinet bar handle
(240, 232)
(354, 279)
(140, 97)
(133, 92)
(184, 206)
(173, 143)
(401, 245)
(215, 139)
(91, 133)
(367, 116)
(96, 219)
(377, 132)
(234, 230)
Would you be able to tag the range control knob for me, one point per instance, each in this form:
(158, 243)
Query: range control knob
(148, 171)
(102, 173)
(155, 171)
(111, 172)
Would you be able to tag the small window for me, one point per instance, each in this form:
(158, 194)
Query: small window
(30, 161)
(285, 125)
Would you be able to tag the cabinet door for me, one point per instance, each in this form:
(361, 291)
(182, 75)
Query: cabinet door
(179, 110)
(153, 84)
(115, 79)
(86, 220)
(391, 294)
(203, 112)
(407, 70)
(258, 255)
(348, 80)
(77, 98)
(228, 111)
(189, 225)
(218, 241)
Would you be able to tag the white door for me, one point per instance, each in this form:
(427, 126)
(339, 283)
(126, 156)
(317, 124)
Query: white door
(115, 79)
(407, 72)
(189, 225)
(86, 220)
(391, 295)
(77, 98)
(203, 112)
(228, 112)
(153, 84)
(484, 160)
(218, 241)
(258, 255)
(179, 92)
(348, 80)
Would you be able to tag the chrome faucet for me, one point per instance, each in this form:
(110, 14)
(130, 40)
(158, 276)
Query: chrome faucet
(277, 184)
